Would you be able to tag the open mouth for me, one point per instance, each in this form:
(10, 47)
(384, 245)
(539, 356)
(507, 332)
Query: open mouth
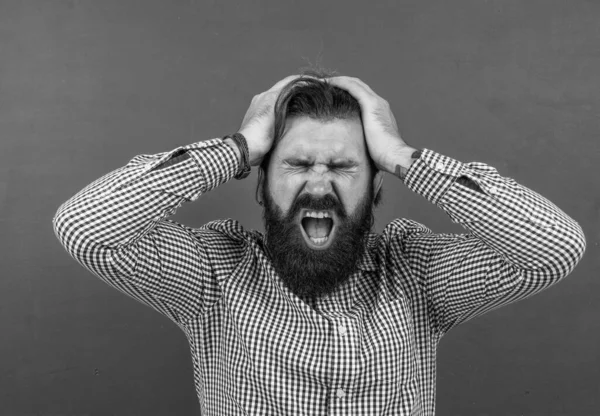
(318, 227)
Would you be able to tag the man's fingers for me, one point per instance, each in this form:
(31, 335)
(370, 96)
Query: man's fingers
(358, 89)
(362, 84)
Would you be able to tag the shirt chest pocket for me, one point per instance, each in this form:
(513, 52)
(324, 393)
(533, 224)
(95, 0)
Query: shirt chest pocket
(387, 350)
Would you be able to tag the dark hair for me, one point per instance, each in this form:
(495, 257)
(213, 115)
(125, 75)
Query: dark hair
(312, 96)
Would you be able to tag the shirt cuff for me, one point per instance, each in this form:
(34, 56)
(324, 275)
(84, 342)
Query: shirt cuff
(432, 174)
(217, 162)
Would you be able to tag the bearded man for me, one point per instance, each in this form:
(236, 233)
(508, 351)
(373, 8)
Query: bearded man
(318, 315)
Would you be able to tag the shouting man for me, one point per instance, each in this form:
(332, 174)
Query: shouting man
(318, 315)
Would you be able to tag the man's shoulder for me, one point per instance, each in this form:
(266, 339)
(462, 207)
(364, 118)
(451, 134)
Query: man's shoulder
(227, 230)
(225, 242)
(402, 228)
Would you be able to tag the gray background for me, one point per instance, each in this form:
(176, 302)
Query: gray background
(87, 85)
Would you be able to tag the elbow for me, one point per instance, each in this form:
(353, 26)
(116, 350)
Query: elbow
(570, 248)
(65, 228)
(59, 220)
(57, 223)
(579, 245)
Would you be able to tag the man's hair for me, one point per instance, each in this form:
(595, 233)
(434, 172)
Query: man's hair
(312, 96)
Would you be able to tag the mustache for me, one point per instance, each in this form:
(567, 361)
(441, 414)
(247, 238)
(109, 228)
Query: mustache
(327, 202)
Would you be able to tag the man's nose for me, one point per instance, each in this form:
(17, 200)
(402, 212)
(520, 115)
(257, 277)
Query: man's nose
(318, 184)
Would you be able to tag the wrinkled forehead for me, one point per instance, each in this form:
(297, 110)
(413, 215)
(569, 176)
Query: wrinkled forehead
(319, 140)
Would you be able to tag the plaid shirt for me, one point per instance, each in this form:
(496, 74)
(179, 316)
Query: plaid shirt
(367, 349)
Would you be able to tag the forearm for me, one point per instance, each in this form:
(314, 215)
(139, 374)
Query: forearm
(528, 230)
(146, 190)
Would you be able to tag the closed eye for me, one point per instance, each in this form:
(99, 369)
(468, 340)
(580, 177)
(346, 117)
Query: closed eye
(344, 165)
(302, 164)
(298, 165)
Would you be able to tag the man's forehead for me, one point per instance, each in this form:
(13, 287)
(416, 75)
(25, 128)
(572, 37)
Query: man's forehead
(336, 139)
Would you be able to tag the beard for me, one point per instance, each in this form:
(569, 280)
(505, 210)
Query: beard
(310, 273)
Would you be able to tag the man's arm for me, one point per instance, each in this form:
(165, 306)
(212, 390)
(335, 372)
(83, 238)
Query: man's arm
(117, 227)
(182, 155)
(520, 243)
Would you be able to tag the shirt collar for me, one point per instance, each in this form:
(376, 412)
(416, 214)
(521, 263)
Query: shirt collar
(368, 261)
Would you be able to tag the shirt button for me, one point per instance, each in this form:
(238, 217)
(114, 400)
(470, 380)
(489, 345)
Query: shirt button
(493, 190)
(540, 222)
(342, 330)
(535, 215)
(536, 220)
(340, 393)
(440, 166)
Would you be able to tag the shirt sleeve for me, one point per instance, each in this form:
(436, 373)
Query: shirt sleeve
(518, 244)
(117, 227)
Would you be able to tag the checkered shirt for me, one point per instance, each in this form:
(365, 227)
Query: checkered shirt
(367, 349)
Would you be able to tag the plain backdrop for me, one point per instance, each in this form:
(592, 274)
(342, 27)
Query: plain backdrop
(87, 85)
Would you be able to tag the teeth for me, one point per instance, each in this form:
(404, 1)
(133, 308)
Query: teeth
(319, 241)
(317, 214)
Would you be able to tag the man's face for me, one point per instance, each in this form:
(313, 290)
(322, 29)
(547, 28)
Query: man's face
(318, 200)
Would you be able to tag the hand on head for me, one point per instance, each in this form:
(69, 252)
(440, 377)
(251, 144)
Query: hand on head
(258, 124)
(381, 130)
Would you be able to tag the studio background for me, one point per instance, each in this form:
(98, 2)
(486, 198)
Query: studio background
(87, 85)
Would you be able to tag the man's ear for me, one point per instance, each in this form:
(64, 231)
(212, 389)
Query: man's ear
(377, 183)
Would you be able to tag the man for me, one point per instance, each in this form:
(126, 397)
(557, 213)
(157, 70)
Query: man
(319, 315)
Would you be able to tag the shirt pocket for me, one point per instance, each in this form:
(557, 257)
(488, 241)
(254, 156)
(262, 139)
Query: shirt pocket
(387, 353)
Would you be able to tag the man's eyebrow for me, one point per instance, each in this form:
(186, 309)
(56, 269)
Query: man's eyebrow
(337, 163)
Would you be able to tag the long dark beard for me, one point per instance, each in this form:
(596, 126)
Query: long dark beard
(310, 273)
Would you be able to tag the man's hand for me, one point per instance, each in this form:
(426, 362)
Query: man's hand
(387, 149)
(258, 124)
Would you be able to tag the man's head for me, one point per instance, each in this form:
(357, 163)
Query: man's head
(319, 187)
